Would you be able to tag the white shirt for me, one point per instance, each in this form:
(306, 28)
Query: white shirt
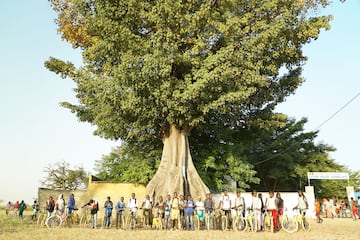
(60, 204)
(200, 206)
(226, 202)
(302, 203)
(132, 204)
(147, 204)
(256, 203)
(271, 203)
(239, 202)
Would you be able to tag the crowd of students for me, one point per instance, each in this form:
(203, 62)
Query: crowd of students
(173, 208)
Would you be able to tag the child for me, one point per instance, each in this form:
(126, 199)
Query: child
(317, 211)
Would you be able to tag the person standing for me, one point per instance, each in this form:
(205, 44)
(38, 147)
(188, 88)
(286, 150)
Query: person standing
(209, 209)
(355, 210)
(189, 213)
(168, 212)
(108, 205)
(175, 211)
(22, 208)
(200, 208)
(50, 206)
(279, 204)
(240, 204)
(270, 205)
(160, 206)
(147, 206)
(225, 205)
(262, 211)
(343, 209)
(318, 210)
(256, 207)
(94, 208)
(71, 205)
(302, 204)
(133, 206)
(60, 205)
(8, 208)
(94, 205)
(16, 208)
(36, 208)
(120, 208)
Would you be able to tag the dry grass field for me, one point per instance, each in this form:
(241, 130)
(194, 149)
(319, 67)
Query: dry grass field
(330, 229)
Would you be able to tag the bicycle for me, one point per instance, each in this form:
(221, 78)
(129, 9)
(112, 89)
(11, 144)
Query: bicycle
(251, 221)
(209, 219)
(131, 220)
(72, 219)
(303, 221)
(157, 222)
(105, 223)
(223, 220)
(268, 222)
(289, 223)
(54, 220)
(240, 223)
(41, 218)
(196, 221)
(146, 218)
(182, 223)
(85, 220)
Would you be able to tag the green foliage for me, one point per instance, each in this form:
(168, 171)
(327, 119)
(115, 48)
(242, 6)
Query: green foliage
(61, 177)
(214, 69)
(129, 164)
(149, 64)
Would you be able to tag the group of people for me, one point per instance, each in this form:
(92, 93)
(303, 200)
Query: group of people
(173, 208)
(18, 208)
(332, 208)
(60, 206)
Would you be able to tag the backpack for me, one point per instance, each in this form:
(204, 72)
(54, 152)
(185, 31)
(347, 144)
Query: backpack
(95, 208)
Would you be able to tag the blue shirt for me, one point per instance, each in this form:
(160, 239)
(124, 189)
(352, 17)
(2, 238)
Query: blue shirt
(108, 206)
(120, 206)
(189, 207)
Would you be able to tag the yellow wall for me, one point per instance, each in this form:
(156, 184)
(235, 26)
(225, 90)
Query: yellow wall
(97, 190)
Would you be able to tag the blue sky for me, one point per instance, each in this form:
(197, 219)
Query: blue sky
(35, 131)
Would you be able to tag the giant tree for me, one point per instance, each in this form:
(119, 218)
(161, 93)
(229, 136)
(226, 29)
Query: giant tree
(159, 69)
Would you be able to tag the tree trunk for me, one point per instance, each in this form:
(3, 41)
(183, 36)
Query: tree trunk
(176, 172)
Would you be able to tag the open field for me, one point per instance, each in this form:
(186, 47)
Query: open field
(330, 229)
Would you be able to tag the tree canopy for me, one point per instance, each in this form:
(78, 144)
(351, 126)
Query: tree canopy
(61, 176)
(150, 64)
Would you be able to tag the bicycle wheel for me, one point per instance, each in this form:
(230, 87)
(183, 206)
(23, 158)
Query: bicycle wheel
(240, 224)
(196, 222)
(53, 221)
(207, 221)
(130, 222)
(279, 222)
(305, 224)
(181, 223)
(289, 225)
(75, 218)
(41, 219)
(224, 223)
(85, 221)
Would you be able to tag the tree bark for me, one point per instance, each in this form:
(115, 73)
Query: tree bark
(176, 172)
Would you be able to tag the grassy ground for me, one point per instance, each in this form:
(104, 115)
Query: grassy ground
(11, 228)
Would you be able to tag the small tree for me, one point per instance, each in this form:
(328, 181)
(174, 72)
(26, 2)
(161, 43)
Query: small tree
(61, 177)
